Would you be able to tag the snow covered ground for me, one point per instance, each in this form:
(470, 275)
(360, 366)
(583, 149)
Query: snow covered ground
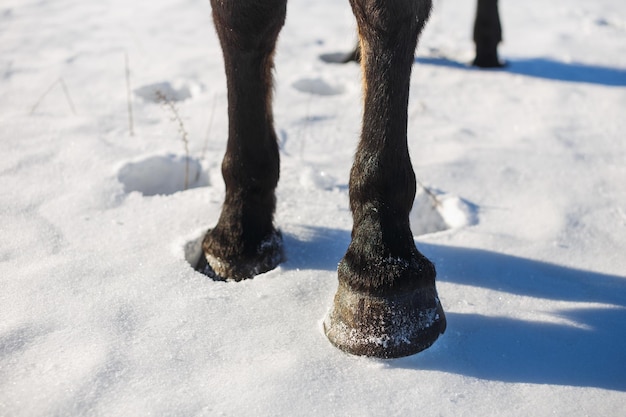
(101, 313)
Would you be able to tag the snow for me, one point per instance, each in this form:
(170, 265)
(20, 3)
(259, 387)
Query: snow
(102, 314)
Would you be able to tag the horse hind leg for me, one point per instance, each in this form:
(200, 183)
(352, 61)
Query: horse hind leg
(487, 34)
(244, 242)
(386, 304)
(487, 37)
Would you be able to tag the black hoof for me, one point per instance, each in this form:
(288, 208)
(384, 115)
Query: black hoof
(268, 255)
(487, 58)
(488, 63)
(389, 326)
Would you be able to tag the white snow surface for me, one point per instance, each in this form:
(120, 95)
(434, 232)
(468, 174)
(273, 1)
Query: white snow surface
(101, 313)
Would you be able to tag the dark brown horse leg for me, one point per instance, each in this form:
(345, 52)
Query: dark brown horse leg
(386, 303)
(244, 242)
(487, 34)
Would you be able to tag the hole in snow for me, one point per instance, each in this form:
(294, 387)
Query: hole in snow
(162, 175)
(177, 91)
(434, 211)
(192, 250)
(317, 86)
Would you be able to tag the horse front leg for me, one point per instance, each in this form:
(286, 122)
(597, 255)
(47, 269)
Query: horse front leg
(487, 34)
(386, 304)
(244, 242)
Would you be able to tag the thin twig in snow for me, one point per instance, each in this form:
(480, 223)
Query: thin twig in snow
(208, 130)
(433, 196)
(66, 92)
(129, 97)
(181, 129)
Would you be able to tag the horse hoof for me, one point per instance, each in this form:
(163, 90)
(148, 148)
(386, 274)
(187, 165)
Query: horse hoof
(488, 61)
(269, 254)
(390, 326)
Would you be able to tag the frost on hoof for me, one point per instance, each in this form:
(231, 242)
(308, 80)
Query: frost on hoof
(269, 255)
(388, 326)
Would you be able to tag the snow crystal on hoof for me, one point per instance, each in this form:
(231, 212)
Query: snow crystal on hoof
(162, 175)
(317, 86)
(434, 211)
(384, 326)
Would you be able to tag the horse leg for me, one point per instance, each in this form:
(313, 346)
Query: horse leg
(244, 242)
(386, 304)
(487, 34)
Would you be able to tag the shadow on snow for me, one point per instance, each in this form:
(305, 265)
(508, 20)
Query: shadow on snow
(587, 352)
(585, 349)
(317, 248)
(547, 69)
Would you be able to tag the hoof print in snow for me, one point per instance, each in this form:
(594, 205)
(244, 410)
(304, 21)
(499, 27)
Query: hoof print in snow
(435, 212)
(171, 92)
(338, 57)
(192, 250)
(317, 86)
(162, 175)
(269, 255)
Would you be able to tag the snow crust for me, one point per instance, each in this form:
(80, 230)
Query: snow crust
(101, 313)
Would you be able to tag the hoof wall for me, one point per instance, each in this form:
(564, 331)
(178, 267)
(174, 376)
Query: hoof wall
(268, 256)
(385, 326)
(491, 62)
